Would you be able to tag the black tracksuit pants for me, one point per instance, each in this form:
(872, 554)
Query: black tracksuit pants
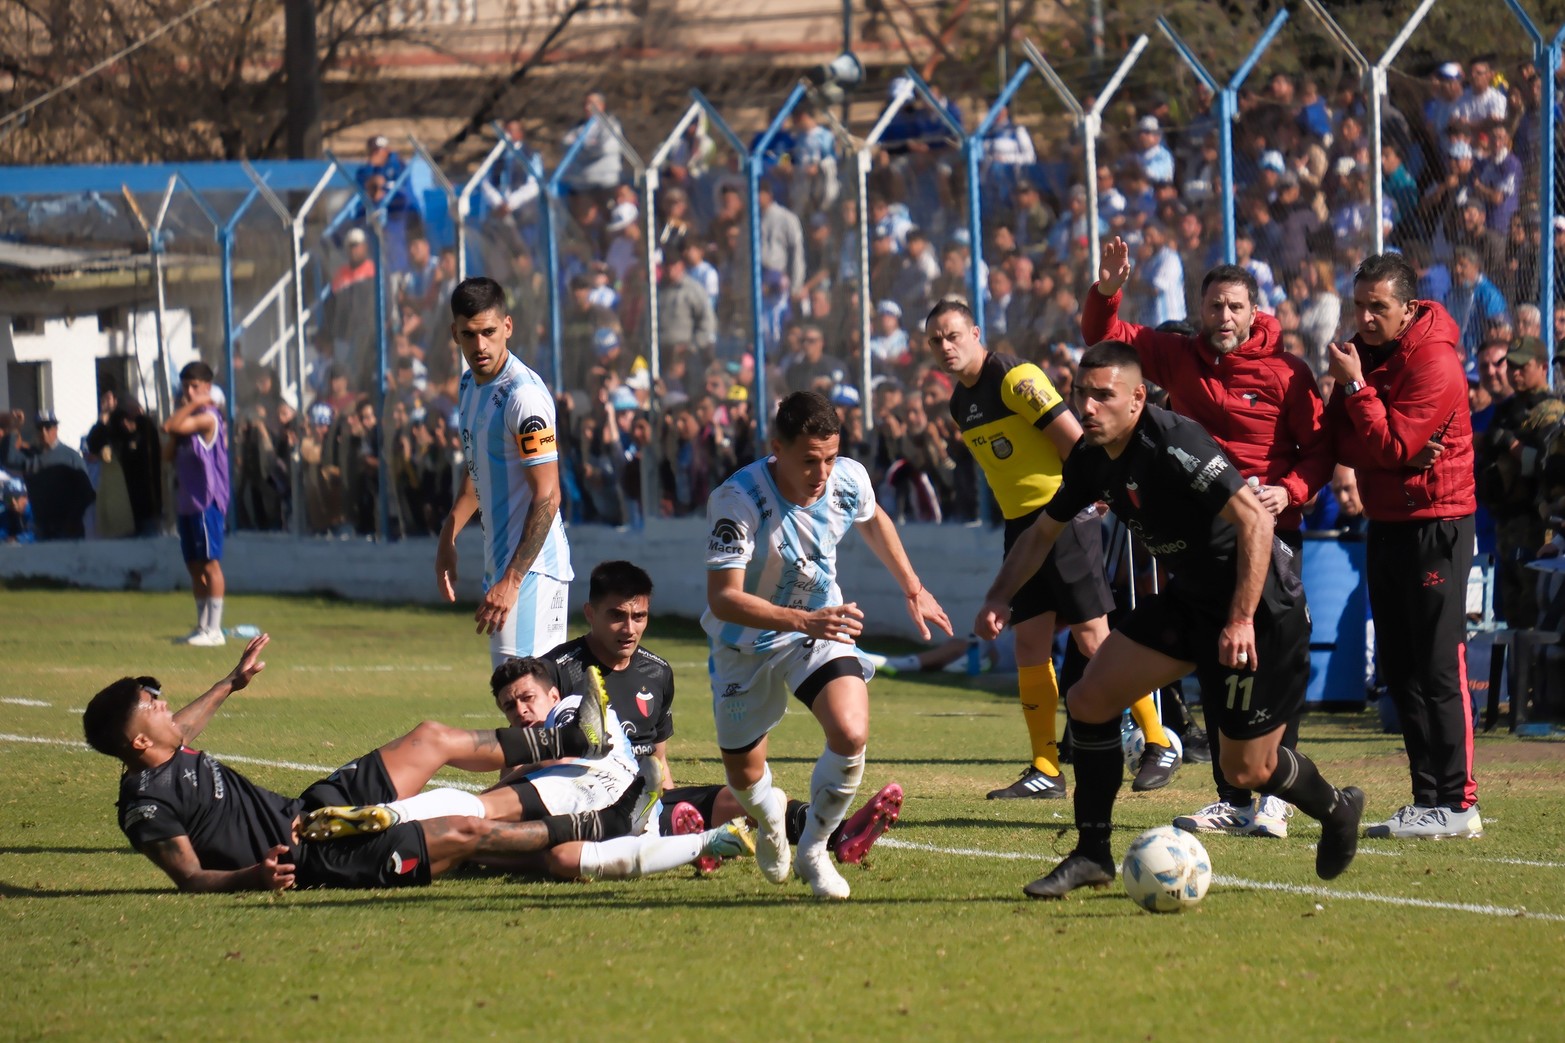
(1417, 574)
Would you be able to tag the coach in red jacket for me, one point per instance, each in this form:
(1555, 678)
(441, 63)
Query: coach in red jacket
(1261, 405)
(1399, 417)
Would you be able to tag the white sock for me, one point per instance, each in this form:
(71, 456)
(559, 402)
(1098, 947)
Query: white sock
(763, 804)
(437, 803)
(833, 784)
(904, 663)
(214, 616)
(629, 858)
(201, 604)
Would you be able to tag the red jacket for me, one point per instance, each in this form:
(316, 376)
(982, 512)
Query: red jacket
(1259, 402)
(1415, 392)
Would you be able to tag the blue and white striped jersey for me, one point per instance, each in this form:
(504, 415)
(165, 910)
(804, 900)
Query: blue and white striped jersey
(788, 552)
(565, 711)
(507, 427)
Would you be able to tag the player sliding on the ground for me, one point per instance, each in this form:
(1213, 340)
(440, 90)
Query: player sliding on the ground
(641, 695)
(1233, 611)
(211, 829)
(776, 623)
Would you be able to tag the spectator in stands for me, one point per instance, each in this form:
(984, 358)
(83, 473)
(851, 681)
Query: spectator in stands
(365, 443)
(127, 440)
(782, 239)
(1270, 293)
(1482, 107)
(598, 168)
(16, 513)
(1007, 153)
(349, 319)
(58, 487)
(1499, 180)
(814, 370)
(1158, 280)
(1397, 184)
(382, 163)
(1473, 301)
(1150, 152)
(1441, 108)
(888, 341)
(1320, 311)
(685, 314)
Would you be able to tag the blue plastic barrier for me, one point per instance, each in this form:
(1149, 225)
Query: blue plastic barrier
(1339, 610)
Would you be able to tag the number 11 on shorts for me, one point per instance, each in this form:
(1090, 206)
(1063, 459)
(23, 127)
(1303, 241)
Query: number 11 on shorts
(1236, 684)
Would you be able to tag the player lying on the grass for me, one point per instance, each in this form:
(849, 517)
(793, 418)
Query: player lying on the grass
(525, 691)
(776, 624)
(211, 829)
(641, 694)
(1233, 612)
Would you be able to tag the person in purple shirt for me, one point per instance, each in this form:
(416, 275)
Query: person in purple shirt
(199, 451)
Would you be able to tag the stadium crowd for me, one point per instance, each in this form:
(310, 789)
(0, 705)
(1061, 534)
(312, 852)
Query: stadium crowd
(1460, 202)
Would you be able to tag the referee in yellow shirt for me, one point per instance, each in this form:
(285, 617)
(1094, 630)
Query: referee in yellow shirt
(1019, 430)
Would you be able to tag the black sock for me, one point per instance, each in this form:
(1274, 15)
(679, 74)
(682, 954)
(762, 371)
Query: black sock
(565, 828)
(797, 813)
(533, 745)
(1100, 770)
(1300, 783)
(603, 824)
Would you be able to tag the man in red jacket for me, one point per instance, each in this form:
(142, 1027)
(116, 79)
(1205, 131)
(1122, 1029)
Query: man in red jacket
(1399, 417)
(1260, 404)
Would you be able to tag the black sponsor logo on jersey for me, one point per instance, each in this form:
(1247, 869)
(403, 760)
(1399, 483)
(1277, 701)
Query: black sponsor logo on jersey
(726, 538)
(1002, 447)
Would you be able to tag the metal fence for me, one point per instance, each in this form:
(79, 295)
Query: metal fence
(671, 298)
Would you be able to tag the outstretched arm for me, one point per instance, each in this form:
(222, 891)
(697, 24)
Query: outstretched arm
(176, 857)
(193, 719)
(1026, 558)
(882, 538)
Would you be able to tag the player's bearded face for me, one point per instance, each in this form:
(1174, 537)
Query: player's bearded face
(804, 465)
(1227, 313)
(482, 339)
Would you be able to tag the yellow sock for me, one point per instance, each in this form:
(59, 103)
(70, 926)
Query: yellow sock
(1144, 710)
(1040, 694)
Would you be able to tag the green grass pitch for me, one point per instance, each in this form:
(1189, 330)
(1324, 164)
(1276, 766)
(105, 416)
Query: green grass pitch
(1453, 940)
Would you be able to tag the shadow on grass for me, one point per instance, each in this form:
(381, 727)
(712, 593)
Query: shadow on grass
(15, 849)
(17, 891)
(585, 899)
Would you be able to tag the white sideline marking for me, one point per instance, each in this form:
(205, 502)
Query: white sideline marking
(381, 668)
(24, 702)
(1265, 885)
(227, 758)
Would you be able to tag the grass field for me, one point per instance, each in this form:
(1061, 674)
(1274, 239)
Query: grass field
(1436, 940)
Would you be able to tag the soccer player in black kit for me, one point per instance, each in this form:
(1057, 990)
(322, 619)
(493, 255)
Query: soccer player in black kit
(211, 829)
(1233, 612)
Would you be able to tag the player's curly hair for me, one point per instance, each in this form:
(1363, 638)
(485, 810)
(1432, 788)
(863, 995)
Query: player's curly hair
(807, 414)
(516, 668)
(103, 723)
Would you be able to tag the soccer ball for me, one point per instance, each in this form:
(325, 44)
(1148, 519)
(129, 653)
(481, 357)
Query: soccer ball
(1166, 870)
(1134, 743)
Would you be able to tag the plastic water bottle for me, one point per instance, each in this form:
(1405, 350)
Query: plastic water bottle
(244, 631)
(975, 656)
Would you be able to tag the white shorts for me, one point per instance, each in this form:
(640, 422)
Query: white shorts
(569, 789)
(536, 624)
(750, 691)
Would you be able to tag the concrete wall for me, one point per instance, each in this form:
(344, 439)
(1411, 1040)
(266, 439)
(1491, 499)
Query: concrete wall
(955, 563)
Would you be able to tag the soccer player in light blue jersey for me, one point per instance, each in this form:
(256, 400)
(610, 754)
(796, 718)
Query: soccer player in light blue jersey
(512, 470)
(776, 623)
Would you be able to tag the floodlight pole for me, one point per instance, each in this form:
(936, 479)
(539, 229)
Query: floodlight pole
(1546, 56)
(1227, 96)
(1089, 123)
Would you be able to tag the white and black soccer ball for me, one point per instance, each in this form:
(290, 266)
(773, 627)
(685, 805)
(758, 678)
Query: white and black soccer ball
(1166, 870)
(1134, 742)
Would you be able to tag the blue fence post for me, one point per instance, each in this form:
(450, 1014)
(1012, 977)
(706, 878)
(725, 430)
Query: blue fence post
(1546, 56)
(1227, 98)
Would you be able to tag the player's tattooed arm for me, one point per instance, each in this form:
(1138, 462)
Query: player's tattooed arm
(535, 529)
(176, 857)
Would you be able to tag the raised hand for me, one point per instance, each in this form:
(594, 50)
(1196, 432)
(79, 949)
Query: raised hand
(1115, 266)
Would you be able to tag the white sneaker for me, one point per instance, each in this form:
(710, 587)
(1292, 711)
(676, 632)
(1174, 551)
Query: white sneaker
(197, 632)
(1434, 824)
(1221, 817)
(771, 846)
(814, 867)
(1406, 815)
(206, 639)
(1269, 817)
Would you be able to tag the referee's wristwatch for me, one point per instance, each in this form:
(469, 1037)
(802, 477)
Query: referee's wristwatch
(1353, 387)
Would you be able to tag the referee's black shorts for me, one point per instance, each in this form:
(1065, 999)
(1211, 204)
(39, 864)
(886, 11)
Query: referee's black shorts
(1072, 583)
(1245, 703)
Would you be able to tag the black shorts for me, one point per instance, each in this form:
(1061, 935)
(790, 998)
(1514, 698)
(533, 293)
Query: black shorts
(395, 858)
(702, 798)
(1071, 583)
(1246, 704)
